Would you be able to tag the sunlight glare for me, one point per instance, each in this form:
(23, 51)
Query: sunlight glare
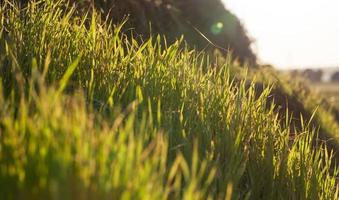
(289, 33)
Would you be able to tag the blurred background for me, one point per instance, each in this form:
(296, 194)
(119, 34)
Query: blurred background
(295, 36)
(292, 34)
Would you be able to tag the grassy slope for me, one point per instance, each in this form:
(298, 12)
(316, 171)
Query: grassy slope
(86, 112)
(294, 94)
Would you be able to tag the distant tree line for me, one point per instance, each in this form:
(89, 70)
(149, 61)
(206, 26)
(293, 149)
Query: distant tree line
(316, 75)
(335, 77)
(313, 75)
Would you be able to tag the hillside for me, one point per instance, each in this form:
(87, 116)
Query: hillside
(89, 112)
(203, 29)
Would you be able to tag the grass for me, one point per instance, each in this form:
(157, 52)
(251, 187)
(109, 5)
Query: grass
(302, 99)
(326, 115)
(88, 113)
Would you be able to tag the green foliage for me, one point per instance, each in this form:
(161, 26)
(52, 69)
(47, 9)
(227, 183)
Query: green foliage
(87, 113)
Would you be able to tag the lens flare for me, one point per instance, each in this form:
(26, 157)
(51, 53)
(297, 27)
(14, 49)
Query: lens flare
(216, 28)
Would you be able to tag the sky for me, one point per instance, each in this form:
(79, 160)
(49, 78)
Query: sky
(291, 33)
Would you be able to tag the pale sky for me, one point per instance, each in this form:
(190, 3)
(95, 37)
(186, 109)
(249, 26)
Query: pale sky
(292, 33)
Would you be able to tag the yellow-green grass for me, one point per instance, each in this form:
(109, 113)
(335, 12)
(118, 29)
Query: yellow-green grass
(88, 113)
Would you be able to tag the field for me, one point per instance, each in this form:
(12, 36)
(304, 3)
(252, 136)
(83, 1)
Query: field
(87, 112)
(330, 90)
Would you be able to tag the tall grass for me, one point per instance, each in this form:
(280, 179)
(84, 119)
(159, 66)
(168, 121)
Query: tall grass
(87, 113)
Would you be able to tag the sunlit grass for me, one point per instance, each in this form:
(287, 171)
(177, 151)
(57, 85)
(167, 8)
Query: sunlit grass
(88, 113)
